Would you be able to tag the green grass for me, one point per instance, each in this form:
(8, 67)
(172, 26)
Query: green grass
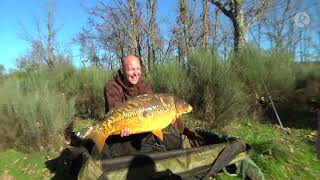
(24, 165)
(279, 155)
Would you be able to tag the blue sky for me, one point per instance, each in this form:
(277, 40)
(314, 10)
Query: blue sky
(70, 16)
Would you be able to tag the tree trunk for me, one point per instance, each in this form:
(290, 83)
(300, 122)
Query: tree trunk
(235, 12)
(259, 35)
(133, 34)
(318, 138)
(190, 25)
(240, 34)
(301, 47)
(205, 25)
(215, 29)
(50, 53)
(151, 6)
(240, 29)
(184, 21)
(182, 32)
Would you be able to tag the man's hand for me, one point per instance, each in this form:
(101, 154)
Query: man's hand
(125, 132)
(174, 120)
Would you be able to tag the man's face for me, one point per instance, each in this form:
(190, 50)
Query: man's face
(132, 69)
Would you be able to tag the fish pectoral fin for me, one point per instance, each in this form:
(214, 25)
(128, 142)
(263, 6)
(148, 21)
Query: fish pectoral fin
(158, 133)
(99, 139)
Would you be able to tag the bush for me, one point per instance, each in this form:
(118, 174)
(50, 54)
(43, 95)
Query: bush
(265, 73)
(170, 77)
(87, 85)
(43, 79)
(33, 119)
(262, 71)
(217, 91)
(306, 74)
(84, 85)
(36, 106)
(208, 83)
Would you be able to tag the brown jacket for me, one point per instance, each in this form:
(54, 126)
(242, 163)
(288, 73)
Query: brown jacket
(117, 91)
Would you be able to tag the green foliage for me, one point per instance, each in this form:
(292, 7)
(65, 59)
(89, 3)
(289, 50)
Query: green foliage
(87, 85)
(44, 79)
(308, 76)
(33, 119)
(267, 74)
(84, 85)
(217, 91)
(2, 70)
(265, 71)
(279, 155)
(208, 83)
(170, 77)
(37, 106)
(220, 91)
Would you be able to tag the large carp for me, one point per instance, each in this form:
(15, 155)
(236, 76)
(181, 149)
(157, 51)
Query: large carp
(144, 113)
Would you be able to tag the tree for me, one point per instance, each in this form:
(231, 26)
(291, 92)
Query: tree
(186, 32)
(215, 30)
(278, 25)
(89, 51)
(2, 70)
(182, 32)
(123, 27)
(108, 31)
(205, 25)
(44, 47)
(242, 14)
(151, 38)
(134, 37)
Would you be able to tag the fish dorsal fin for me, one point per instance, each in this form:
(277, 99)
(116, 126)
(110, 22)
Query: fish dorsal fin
(109, 113)
(142, 95)
(158, 133)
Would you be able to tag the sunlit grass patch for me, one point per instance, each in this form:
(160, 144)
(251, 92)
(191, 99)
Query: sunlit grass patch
(280, 154)
(24, 165)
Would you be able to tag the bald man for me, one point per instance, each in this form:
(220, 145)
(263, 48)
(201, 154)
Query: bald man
(125, 85)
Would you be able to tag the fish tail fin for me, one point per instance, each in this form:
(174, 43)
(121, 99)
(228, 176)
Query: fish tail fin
(99, 139)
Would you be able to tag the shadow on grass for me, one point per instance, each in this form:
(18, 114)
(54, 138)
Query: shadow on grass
(63, 168)
(299, 119)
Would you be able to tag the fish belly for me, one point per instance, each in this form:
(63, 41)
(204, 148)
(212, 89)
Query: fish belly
(143, 124)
